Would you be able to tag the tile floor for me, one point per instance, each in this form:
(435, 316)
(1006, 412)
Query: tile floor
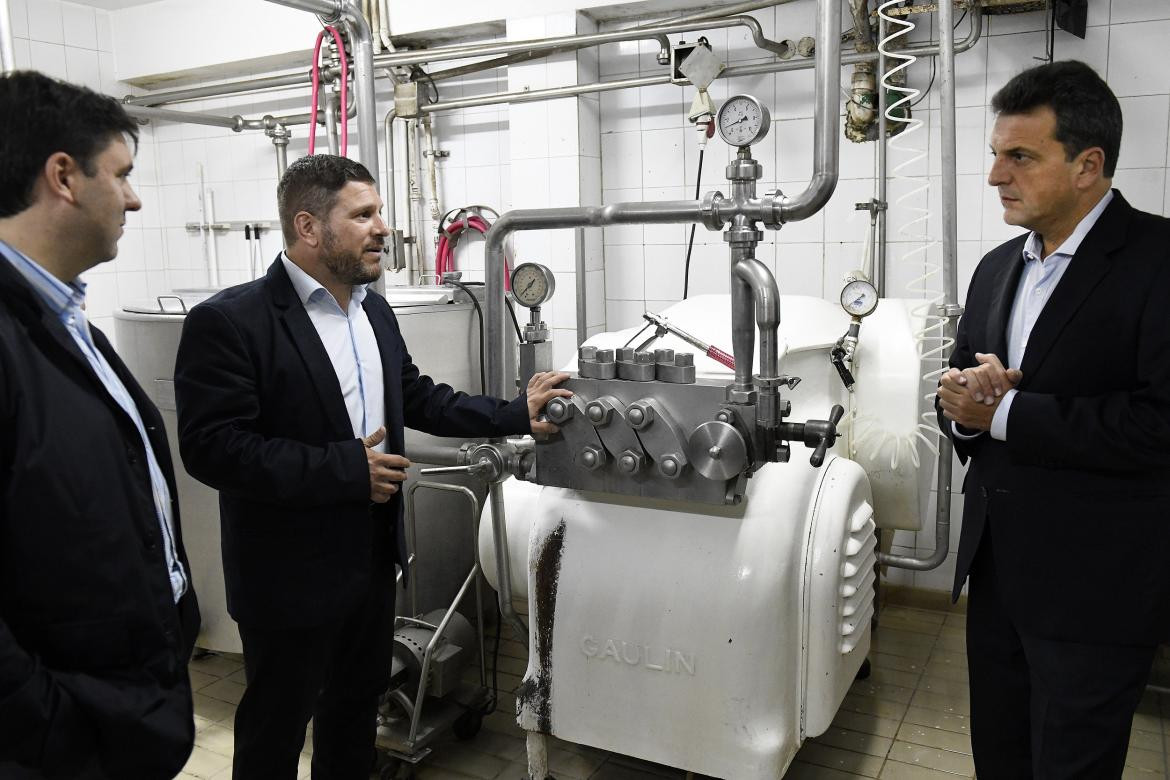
(908, 721)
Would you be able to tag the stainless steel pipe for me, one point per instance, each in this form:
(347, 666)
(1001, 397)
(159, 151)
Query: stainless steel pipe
(766, 301)
(190, 117)
(826, 134)
(7, 47)
(946, 66)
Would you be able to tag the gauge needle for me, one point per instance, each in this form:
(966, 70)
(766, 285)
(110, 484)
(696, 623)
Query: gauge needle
(859, 301)
(528, 287)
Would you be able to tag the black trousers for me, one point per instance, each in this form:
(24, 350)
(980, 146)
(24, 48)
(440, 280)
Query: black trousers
(1040, 708)
(333, 674)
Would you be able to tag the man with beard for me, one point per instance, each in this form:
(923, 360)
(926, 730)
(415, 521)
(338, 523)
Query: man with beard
(292, 394)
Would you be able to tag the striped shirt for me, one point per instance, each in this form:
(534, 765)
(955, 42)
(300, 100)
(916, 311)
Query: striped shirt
(66, 300)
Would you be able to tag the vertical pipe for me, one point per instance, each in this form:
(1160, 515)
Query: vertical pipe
(946, 114)
(7, 48)
(503, 562)
(743, 326)
(582, 293)
(361, 41)
(391, 185)
(879, 239)
(331, 137)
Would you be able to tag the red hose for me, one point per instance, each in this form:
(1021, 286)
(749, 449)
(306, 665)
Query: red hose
(315, 74)
(445, 252)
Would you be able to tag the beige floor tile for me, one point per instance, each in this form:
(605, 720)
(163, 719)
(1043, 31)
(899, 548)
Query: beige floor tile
(223, 774)
(937, 701)
(895, 770)
(647, 768)
(910, 626)
(459, 757)
(914, 651)
(886, 676)
(932, 758)
(955, 644)
(1147, 740)
(427, 772)
(802, 771)
(202, 723)
(866, 724)
(946, 671)
(946, 687)
(185, 776)
(897, 693)
(955, 620)
(910, 613)
(950, 658)
(217, 665)
(843, 760)
(870, 706)
(200, 679)
(1148, 760)
(224, 690)
(935, 738)
(901, 636)
(1132, 773)
(506, 746)
(1145, 722)
(213, 709)
(205, 764)
(516, 770)
(947, 721)
(503, 721)
(217, 739)
(896, 663)
(857, 741)
(573, 764)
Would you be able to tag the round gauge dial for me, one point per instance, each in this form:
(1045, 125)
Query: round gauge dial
(532, 284)
(743, 120)
(859, 298)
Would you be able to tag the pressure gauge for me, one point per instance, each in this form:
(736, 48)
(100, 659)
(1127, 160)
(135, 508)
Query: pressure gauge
(859, 298)
(532, 284)
(743, 120)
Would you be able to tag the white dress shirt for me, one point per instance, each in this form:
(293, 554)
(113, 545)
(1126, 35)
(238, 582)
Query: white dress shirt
(1037, 282)
(349, 341)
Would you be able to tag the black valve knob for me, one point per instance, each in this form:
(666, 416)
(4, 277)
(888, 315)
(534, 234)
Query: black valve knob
(826, 432)
(837, 356)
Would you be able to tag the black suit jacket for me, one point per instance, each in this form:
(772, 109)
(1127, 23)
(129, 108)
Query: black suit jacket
(262, 420)
(1078, 497)
(93, 649)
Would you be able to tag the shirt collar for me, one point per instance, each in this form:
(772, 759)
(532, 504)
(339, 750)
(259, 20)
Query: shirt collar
(58, 296)
(1034, 246)
(308, 288)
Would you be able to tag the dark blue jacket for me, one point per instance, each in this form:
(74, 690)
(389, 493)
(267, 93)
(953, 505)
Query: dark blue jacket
(93, 649)
(262, 420)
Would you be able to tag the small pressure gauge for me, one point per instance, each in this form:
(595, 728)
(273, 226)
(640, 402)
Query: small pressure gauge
(532, 284)
(859, 298)
(743, 120)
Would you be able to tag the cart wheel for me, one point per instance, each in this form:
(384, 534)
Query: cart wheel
(863, 672)
(467, 725)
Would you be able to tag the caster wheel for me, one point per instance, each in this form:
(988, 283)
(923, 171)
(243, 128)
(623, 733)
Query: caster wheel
(863, 672)
(467, 725)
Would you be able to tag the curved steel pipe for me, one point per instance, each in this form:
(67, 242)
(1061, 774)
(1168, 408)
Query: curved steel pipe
(827, 137)
(766, 300)
(503, 562)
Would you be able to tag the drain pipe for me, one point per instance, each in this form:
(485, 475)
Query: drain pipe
(7, 48)
(949, 308)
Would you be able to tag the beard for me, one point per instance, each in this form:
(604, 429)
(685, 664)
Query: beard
(346, 265)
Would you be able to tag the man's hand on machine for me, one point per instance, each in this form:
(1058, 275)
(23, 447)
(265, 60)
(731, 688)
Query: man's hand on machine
(386, 471)
(970, 396)
(542, 388)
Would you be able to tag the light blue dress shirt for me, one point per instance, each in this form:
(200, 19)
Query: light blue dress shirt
(1037, 282)
(349, 341)
(66, 300)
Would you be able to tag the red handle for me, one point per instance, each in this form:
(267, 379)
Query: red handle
(717, 354)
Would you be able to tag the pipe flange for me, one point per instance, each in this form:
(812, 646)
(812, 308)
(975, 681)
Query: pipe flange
(772, 201)
(743, 235)
(743, 170)
(711, 203)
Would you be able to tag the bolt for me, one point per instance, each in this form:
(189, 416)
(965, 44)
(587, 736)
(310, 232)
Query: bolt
(591, 457)
(724, 417)
(644, 358)
(716, 452)
(630, 462)
(558, 410)
(586, 353)
(664, 356)
(637, 416)
(626, 354)
(668, 467)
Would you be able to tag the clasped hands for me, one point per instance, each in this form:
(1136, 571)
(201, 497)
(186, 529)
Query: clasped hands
(970, 396)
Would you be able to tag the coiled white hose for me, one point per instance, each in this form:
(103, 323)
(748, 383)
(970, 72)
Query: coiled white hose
(869, 433)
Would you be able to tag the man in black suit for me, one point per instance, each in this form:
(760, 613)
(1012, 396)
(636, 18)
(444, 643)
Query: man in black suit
(1066, 533)
(292, 394)
(97, 615)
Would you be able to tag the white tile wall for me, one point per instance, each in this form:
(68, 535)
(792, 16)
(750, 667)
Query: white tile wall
(625, 145)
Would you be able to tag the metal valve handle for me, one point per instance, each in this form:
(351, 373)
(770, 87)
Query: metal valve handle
(828, 436)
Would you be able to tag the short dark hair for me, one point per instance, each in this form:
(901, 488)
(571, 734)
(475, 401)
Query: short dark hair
(40, 116)
(311, 184)
(1087, 111)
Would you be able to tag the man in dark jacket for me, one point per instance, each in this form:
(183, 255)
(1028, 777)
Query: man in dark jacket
(97, 615)
(292, 394)
(1065, 533)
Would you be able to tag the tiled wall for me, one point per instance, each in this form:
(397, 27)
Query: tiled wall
(622, 146)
